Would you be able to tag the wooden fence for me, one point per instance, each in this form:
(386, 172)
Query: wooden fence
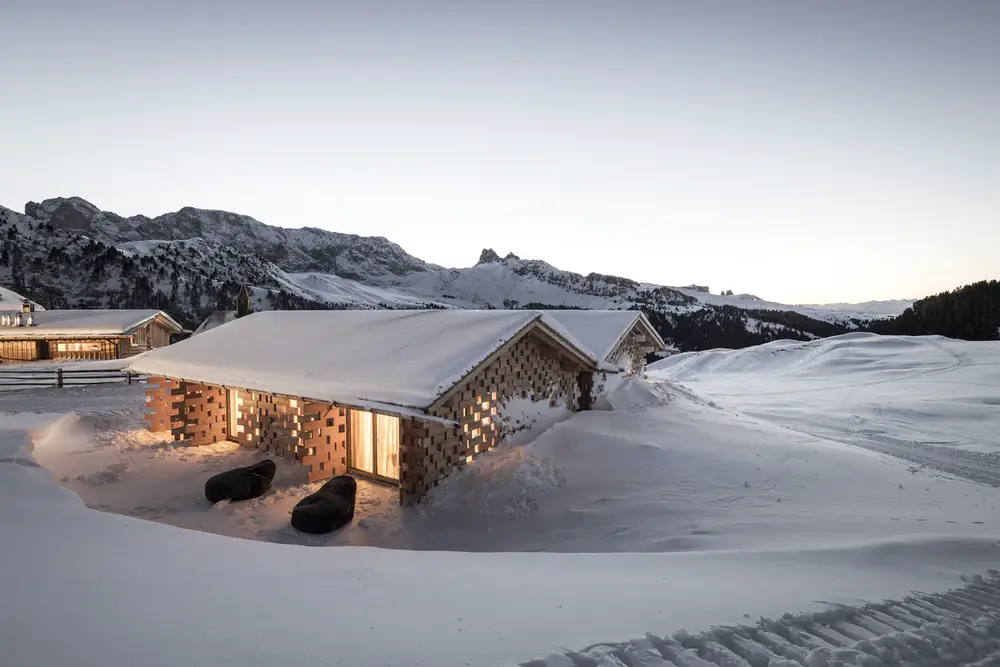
(65, 377)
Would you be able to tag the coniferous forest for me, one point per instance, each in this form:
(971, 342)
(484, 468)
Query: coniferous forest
(971, 312)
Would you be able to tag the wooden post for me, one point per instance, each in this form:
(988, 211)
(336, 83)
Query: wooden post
(59, 378)
(128, 374)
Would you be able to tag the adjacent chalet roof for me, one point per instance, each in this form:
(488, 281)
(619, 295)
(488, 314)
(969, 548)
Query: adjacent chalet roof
(70, 323)
(601, 331)
(380, 359)
(217, 318)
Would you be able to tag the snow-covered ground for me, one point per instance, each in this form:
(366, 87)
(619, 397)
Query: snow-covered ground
(725, 489)
(930, 400)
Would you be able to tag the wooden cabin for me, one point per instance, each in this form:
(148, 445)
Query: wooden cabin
(403, 397)
(33, 335)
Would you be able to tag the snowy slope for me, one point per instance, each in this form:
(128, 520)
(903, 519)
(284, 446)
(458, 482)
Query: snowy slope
(11, 300)
(738, 511)
(334, 289)
(929, 400)
(837, 312)
(889, 307)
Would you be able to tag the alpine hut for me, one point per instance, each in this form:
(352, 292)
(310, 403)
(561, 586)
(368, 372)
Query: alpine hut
(32, 335)
(400, 396)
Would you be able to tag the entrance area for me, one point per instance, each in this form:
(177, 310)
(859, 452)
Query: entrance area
(373, 444)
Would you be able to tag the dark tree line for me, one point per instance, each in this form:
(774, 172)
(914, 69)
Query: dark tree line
(971, 312)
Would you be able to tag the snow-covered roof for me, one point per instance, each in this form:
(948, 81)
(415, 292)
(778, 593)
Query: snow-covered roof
(379, 359)
(10, 299)
(55, 323)
(217, 318)
(601, 331)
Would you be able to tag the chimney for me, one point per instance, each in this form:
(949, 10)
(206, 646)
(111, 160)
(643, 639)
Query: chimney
(243, 303)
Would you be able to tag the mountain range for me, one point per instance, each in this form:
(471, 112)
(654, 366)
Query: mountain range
(66, 252)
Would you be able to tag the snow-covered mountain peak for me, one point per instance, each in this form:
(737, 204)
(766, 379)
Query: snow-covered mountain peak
(487, 256)
(193, 260)
(303, 249)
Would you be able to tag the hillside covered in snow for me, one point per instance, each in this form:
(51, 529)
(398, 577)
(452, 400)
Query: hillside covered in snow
(832, 502)
(192, 261)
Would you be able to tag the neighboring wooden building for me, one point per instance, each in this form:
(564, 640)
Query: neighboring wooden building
(398, 396)
(32, 335)
(622, 338)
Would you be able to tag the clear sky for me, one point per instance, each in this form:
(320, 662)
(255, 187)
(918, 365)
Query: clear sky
(803, 151)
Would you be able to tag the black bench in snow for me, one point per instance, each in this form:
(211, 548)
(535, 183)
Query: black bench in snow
(241, 483)
(328, 509)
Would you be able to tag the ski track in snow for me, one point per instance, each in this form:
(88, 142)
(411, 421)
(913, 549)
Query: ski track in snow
(958, 627)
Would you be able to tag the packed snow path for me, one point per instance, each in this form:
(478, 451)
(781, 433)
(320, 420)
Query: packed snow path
(959, 627)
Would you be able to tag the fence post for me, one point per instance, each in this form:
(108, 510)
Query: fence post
(128, 374)
(59, 378)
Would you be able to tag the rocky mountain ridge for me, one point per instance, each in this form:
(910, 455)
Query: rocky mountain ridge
(191, 261)
(303, 249)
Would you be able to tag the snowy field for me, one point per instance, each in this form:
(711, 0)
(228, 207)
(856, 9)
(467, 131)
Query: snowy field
(732, 485)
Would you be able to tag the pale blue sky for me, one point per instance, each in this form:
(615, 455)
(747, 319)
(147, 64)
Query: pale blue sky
(802, 151)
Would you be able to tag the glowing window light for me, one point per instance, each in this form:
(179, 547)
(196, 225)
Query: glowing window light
(468, 459)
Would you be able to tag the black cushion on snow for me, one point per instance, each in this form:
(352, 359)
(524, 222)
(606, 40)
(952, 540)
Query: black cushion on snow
(328, 509)
(241, 483)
